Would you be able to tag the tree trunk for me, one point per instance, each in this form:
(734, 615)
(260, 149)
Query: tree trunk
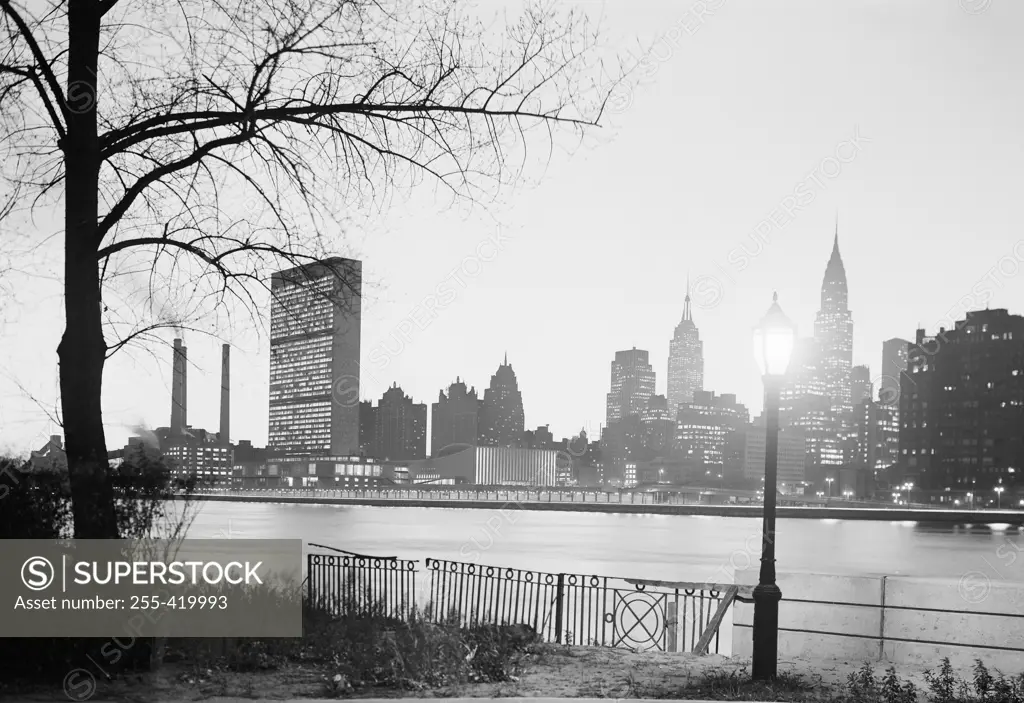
(82, 350)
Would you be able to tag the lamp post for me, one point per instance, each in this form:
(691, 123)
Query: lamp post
(999, 497)
(774, 339)
(829, 482)
(908, 487)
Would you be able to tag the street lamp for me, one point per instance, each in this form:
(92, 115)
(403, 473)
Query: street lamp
(999, 497)
(774, 339)
(829, 482)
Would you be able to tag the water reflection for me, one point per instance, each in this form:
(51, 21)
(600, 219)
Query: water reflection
(684, 548)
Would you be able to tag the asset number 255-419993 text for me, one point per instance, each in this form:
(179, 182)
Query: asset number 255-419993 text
(179, 602)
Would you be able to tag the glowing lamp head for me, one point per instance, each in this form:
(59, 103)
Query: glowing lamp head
(774, 339)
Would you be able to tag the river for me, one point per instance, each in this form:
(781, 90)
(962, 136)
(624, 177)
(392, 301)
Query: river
(664, 547)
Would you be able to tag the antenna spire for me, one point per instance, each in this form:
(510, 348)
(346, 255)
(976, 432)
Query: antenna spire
(686, 301)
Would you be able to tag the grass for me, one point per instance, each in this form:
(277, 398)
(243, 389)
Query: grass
(726, 685)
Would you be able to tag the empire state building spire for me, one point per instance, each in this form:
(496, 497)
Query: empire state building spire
(687, 317)
(685, 360)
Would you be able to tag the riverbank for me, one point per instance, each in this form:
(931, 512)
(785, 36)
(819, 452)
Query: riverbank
(949, 517)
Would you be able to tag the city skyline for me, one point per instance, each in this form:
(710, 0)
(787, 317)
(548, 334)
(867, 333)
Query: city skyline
(656, 329)
(540, 275)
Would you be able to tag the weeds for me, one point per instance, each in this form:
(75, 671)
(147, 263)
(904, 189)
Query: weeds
(984, 686)
(721, 684)
(369, 647)
(944, 685)
(864, 687)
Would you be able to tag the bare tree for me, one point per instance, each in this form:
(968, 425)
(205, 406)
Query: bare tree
(210, 141)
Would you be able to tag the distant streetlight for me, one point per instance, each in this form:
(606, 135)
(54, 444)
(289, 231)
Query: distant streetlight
(774, 339)
(908, 487)
(829, 482)
(999, 497)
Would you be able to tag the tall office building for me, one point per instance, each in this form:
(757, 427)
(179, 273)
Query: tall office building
(710, 431)
(685, 361)
(876, 436)
(179, 388)
(894, 366)
(632, 384)
(454, 418)
(790, 460)
(367, 428)
(400, 427)
(314, 359)
(861, 388)
(659, 427)
(804, 404)
(501, 420)
(962, 408)
(833, 329)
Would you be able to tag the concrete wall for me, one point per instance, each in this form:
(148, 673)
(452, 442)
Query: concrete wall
(923, 620)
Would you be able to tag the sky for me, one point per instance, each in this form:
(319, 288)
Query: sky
(749, 130)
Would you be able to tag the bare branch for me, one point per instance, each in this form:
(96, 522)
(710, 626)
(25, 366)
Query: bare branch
(40, 66)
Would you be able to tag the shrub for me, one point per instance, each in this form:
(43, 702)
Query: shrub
(36, 504)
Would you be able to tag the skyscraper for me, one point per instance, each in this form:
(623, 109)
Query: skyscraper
(804, 404)
(314, 359)
(962, 408)
(400, 427)
(501, 419)
(833, 329)
(367, 428)
(632, 384)
(685, 361)
(894, 365)
(658, 426)
(860, 385)
(453, 418)
(710, 431)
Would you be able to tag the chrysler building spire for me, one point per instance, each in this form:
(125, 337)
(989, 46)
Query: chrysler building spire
(833, 329)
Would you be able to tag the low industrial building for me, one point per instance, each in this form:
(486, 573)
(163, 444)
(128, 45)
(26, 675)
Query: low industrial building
(488, 466)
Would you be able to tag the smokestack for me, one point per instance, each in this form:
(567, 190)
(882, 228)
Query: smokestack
(179, 389)
(225, 395)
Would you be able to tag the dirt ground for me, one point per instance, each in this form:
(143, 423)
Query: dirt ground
(548, 671)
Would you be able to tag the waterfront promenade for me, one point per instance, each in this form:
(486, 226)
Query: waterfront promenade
(607, 502)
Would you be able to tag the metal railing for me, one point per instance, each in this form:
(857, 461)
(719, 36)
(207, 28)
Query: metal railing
(901, 634)
(584, 609)
(348, 583)
(553, 495)
(562, 608)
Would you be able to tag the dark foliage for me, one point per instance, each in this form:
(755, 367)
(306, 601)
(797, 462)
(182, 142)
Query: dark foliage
(35, 503)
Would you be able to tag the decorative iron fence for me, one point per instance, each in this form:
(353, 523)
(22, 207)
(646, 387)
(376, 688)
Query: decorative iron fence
(563, 608)
(587, 610)
(346, 582)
